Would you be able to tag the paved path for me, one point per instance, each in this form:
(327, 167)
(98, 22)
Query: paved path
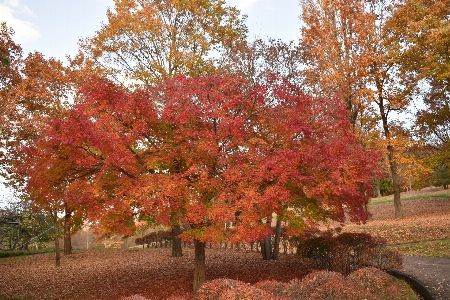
(433, 272)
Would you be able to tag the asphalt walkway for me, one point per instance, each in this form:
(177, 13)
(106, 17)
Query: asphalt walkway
(432, 271)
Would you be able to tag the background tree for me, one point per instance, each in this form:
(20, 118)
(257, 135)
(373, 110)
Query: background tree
(33, 90)
(146, 41)
(30, 228)
(335, 53)
(257, 60)
(343, 46)
(10, 55)
(420, 32)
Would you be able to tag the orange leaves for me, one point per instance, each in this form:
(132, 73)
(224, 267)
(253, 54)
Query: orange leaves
(206, 151)
(146, 41)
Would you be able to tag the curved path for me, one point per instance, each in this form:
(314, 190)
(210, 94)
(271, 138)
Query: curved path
(432, 271)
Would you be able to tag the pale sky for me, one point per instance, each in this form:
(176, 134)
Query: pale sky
(53, 27)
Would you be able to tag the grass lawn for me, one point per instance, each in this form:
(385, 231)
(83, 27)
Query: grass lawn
(439, 248)
(387, 199)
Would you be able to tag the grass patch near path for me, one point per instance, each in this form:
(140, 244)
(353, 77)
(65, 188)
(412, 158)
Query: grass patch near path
(439, 248)
(386, 199)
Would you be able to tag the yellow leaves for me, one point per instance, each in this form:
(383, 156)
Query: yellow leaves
(153, 40)
(257, 141)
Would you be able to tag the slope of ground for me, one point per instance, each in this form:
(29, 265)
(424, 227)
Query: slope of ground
(424, 219)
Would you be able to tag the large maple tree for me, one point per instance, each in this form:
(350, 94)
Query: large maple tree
(204, 152)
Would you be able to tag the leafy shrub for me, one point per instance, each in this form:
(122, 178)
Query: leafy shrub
(318, 247)
(212, 290)
(321, 285)
(275, 288)
(347, 252)
(376, 284)
(246, 292)
(365, 283)
(225, 289)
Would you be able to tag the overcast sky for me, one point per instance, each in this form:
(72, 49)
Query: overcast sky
(53, 27)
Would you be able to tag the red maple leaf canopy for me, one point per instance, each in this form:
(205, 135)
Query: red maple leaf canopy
(209, 152)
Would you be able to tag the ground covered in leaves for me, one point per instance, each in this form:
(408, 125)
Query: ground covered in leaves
(152, 273)
(424, 220)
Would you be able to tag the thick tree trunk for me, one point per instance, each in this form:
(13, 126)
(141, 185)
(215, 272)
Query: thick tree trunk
(276, 243)
(67, 243)
(398, 212)
(377, 187)
(57, 252)
(177, 250)
(199, 265)
(266, 248)
(391, 157)
(67, 237)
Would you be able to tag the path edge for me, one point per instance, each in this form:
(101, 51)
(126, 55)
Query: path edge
(417, 285)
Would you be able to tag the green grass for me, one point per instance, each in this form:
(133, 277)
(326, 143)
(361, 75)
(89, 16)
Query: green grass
(14, 253)
(439, 248)
(375, 201)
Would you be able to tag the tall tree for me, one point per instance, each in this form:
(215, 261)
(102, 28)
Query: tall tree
(205, 152)
(420, 32)
(148, 40)
(10, 55)
(333, 47)
(343, 44)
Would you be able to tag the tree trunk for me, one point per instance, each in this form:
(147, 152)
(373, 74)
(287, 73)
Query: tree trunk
(398, 213)
(377, 187)
(276, 243)
(266, 248)
(391, 157)
(57, 253)
(199, 265)
(25, 238)
(67, 243)
(67, 237)
(177, 250)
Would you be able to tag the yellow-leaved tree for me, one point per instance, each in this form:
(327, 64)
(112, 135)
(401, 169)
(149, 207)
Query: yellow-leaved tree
(148, 40)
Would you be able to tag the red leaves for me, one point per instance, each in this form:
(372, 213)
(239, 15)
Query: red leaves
(206, 151)
(366, 283)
